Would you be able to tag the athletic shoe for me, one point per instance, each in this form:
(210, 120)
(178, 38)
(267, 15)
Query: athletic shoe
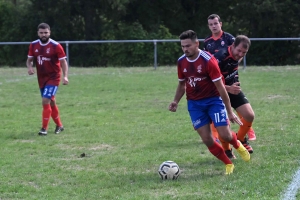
(43, 132)
(247, 145)
(251, 134)
(229, 169)
(243, 152)
(230, 154)
(58, 129)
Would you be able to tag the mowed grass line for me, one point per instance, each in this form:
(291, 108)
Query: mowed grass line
(118, 118)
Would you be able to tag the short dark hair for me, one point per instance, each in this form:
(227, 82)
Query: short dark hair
(212, 16)
(43, 26)
(189, 34)
(242, 39)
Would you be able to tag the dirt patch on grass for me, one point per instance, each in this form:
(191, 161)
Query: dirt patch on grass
(276, 96)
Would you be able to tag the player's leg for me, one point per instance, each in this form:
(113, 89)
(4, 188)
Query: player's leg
(247, 118)
(201, 121)
(214, 147)
(214, 132)
(228, 150)
(55, 116)
(218, 115)
(46, 94)
(251, 132)
(242, 106)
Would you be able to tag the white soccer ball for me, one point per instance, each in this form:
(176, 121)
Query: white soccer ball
(169, 170)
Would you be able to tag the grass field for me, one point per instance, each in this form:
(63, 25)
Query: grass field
(118, 118)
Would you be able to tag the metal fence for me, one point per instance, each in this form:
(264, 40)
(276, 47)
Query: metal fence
(155, 42)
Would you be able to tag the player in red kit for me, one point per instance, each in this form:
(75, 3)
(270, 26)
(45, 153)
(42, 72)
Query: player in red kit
(200, 78)
(50, 60)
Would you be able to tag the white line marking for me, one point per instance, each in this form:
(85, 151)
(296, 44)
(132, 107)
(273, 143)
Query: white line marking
(291, 191)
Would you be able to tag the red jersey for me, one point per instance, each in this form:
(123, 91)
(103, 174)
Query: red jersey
(47, 60)
(199, 75)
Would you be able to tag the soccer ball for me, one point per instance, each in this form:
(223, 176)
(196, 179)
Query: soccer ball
(169, 170)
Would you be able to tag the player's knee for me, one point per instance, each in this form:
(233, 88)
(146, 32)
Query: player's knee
(250, 117)
(226, 137)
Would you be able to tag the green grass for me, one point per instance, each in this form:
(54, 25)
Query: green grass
(119, 118)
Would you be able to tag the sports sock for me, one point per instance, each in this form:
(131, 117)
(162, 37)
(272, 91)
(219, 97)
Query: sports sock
(219, 152)
(225, 145)
(46, 115)
(214, 131)
(234, 141)
(243, 129)
(55, 115)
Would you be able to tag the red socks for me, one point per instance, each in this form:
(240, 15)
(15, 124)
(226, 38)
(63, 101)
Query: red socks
(50, 111)
(234, 141)
(55, 115)
(46, 116)
(217, 150)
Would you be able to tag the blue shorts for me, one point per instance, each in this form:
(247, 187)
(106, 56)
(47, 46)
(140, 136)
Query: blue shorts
(207, 110)
(49, 91)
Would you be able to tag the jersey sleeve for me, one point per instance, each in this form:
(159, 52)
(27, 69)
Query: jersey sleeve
(30, 51)
(214, 70)
(60, 52)
(220, 55)
(181, 76)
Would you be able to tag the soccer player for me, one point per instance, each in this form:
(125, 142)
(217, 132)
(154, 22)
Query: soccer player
(50, 59)
(228, 60)
(220, 39)
(200, 78)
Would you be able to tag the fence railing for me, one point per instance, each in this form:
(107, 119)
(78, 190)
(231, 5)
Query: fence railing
(154, 41)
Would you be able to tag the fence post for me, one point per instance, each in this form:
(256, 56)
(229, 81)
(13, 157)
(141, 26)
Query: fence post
(67, 51)
(155, 53)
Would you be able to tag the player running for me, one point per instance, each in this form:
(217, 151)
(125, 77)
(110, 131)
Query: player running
(200, 78)
(220, 39)
(228, 60)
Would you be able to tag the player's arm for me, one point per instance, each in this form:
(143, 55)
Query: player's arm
(64, 67)
(29, 64)
(178, 95)
(234, 88)
(224, 95)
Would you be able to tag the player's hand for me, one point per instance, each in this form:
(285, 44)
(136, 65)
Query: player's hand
(65, 81)
(173, 106)
(234, 119)
(30, 71)
(235, 88)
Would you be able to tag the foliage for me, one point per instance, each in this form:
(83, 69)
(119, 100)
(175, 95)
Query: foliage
(148, 19)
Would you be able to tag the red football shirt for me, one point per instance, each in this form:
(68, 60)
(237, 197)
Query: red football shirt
(199, 75)
(47, 60)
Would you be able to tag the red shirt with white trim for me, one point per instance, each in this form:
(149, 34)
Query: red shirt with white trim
(199, 75)
(47, 60)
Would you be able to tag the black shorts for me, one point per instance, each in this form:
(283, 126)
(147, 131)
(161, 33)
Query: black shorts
(237, 100)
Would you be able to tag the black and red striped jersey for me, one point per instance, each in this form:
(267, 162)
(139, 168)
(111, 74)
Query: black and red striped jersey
(212, 44)
(228, 65)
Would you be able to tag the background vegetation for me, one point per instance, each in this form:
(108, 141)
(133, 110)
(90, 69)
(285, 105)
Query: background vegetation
(147, 19)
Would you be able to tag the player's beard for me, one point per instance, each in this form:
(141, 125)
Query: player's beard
(188, 54)
(44, 39)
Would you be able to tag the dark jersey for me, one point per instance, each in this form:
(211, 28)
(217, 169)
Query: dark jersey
(212, 44)
(228, 65)
(199, 76)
